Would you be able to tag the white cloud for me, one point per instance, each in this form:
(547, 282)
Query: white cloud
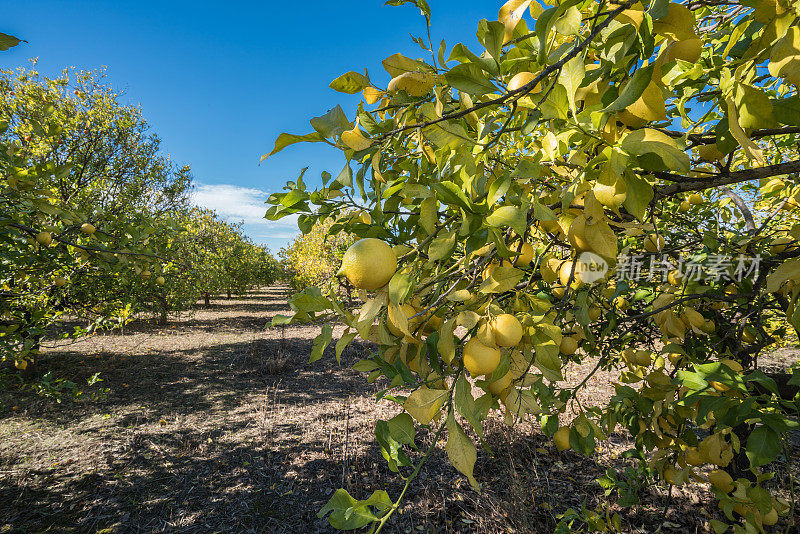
(247, 205)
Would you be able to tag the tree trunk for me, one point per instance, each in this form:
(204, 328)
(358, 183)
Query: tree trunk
(229, 295)
(163, 310)
(206, 299)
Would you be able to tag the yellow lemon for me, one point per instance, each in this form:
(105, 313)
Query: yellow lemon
(60, 281)
(480, 359)
(695, 199)
(525, 254)
(721, 480)
(594, 313)
(369, 264)
(146, 275)
(684, 207)
(654, 243)
(561, 438)
(507, 330)
(771, 518)
(521, 79)
(160, 280)
(413, 83)
(88, 228)
(501, 384)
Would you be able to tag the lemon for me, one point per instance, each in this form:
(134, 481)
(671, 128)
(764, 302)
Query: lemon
(21, 364)
(488, 270)
(594, 313)
(561, 438)
(413, 83)
(675, 278)
(485, 334)
(684, 207)
(621, 304)
(501, 384)
(44, 238)
(771, 518)
(160, 280)
(568, 345)
(507, 330)
(566, 270)
(526, 254)
(368, 264)
(654, 243)
(60, 281)
(87, 228)
(695, 199)
(558, 291)
(480, 359)
(521, 79)
(146, 275)
(577, 233)
(721, 480)
(687, 50)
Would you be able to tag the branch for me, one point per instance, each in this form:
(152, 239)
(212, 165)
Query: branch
(528, 87)
(750, 223)
(718, 180)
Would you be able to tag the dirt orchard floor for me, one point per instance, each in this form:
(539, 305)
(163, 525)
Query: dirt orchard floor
(218, 424)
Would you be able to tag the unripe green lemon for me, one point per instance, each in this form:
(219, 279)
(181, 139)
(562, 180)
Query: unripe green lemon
(44, 238)
(87, 228)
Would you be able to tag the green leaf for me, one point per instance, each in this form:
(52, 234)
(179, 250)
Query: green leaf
(639, 193)
(503, 279)
(342, 344)
(401, 428)
(451, 194)
(398, 64)
(441, 247)
(399, 287)
(321, 342)
(470, 78)
(286, 139)
(350, 82)
(569, 23)
(465, 404)
(787, 110)
(648, 141)
(632, 90)
(425, 404)
(460, 450)
(763, 446)
(333, 123)
(491, 35)
(7, 41)
(571, 76)
(511, 216)
(350, 514)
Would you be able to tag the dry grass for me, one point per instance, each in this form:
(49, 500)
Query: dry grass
(217, 423)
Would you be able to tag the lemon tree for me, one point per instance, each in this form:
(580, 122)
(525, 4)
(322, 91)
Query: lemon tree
(613, 184)
(95, 223)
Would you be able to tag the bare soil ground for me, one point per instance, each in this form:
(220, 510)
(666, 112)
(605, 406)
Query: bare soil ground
(219, 424)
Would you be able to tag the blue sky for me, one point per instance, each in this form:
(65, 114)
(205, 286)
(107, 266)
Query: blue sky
(218, 81)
